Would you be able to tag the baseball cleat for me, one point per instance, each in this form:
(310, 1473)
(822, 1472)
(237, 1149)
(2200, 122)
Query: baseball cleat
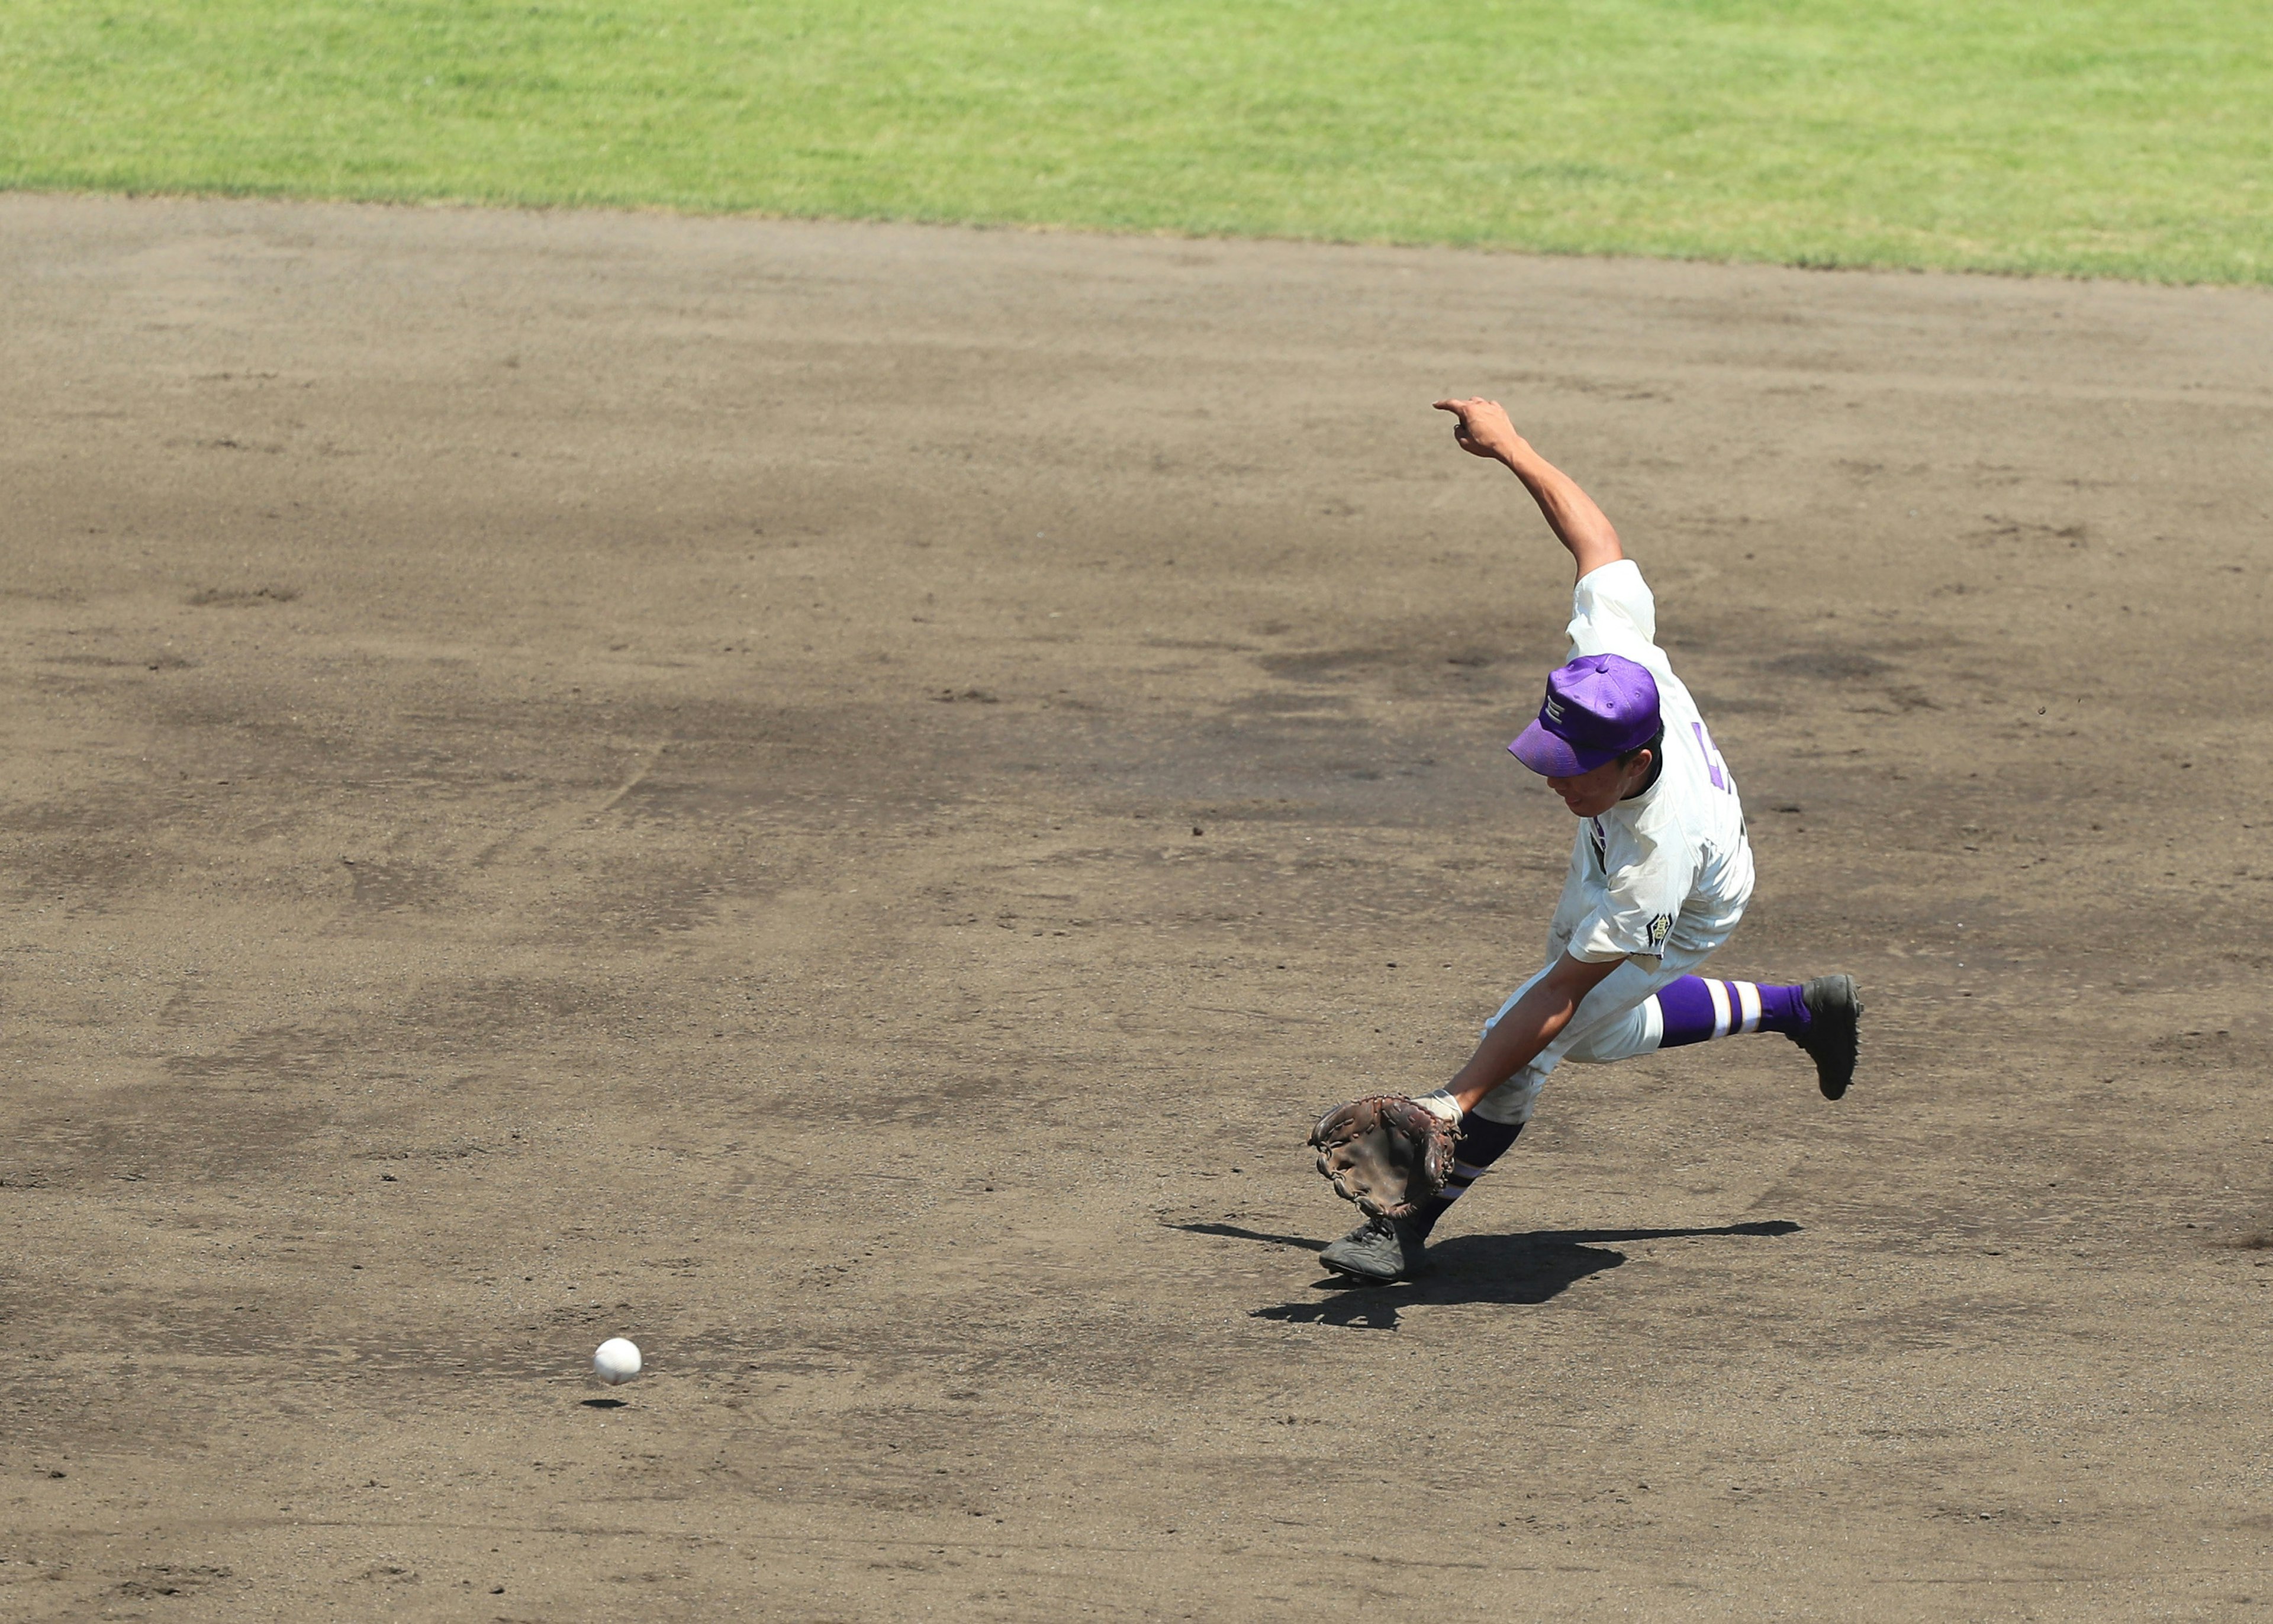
(1834, 1013)
(1379, 1250)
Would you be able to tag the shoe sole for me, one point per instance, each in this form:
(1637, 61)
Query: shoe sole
(1350, 1277)
(1361, 1278)
(1366, 1276)
(1842, 1006)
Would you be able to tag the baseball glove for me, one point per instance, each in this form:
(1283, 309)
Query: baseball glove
(1385, 1152)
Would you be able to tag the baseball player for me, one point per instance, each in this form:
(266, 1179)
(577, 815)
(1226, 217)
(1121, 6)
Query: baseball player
(1660, 871)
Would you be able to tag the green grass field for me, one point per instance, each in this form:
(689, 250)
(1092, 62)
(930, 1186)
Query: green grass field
(2017, 135)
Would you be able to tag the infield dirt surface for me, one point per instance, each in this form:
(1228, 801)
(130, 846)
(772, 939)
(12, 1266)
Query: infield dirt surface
(835, 800)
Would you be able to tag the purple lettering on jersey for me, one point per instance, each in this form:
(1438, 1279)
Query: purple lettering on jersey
(1712, 756)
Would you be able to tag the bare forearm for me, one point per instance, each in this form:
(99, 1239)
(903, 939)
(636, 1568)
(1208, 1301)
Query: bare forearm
(1536, 1021)
(1569, 511)
(1482, 429)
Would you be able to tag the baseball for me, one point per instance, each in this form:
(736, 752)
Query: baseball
(616, 1361)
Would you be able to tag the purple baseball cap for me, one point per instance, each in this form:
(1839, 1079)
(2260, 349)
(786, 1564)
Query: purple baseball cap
(1598, 707)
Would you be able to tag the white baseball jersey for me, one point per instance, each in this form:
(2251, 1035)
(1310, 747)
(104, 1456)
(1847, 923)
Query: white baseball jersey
(1673, 865)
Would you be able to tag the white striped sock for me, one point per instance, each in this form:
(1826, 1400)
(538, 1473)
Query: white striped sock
(1720, 994)
(1748, 995)
(1457, 1185)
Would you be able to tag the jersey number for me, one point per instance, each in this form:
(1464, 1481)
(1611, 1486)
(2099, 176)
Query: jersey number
(1713, 764)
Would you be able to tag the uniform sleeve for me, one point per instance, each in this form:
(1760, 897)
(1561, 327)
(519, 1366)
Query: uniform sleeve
(1613, 613)
(1638, 905)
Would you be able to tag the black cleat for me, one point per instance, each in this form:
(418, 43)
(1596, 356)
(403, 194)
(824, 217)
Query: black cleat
(1834, 1013)
(1379, 1250)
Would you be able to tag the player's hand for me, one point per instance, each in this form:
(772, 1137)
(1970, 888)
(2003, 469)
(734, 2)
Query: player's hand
(1482, 429)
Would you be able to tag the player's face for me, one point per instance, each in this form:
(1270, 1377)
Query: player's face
(1590, 795)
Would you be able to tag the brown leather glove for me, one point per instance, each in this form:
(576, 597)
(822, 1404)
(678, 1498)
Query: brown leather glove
(1385, 1152)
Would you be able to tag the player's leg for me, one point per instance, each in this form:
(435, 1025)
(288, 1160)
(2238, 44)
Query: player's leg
(1823, 1016)
(1614, 1021)
(1386, 1249)
(1623, 1016)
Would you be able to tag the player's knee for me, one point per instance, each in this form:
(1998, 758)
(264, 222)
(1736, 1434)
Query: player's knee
(1622, 1039)
(1510, 1103)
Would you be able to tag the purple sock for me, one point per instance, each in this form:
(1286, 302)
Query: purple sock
(1482, 1142)
(1696, 1010)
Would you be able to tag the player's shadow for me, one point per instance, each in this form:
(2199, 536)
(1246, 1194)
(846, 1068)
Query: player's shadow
(1521, 1270)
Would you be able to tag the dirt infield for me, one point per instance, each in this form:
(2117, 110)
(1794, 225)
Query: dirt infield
(834, 800)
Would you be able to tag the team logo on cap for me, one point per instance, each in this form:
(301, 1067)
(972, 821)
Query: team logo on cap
(1554, 710)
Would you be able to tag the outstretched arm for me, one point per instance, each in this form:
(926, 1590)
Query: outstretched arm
(1536, 1021)
(1483, 429)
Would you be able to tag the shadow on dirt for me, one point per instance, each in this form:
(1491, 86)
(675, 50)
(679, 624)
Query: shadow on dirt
(1522, 1270)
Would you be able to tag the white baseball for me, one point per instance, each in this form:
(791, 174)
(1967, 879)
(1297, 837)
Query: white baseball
(617, 1360)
